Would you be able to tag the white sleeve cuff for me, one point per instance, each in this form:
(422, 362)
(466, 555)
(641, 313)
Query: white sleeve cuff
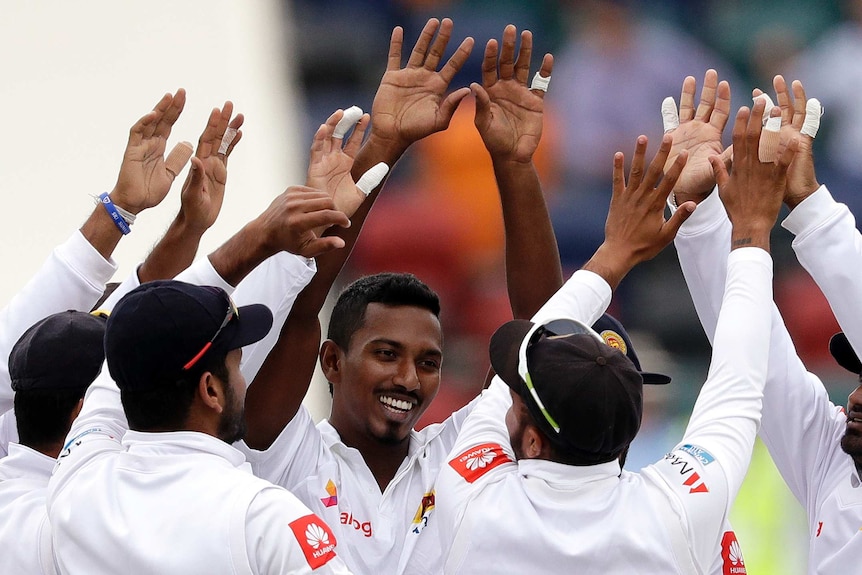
(585, 297)
(81, 256)
(751, 254)
(709, 213)
(811, 212)
(202, 273)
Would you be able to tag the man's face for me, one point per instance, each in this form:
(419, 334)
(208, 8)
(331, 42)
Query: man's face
(389, 375)
(232, 425)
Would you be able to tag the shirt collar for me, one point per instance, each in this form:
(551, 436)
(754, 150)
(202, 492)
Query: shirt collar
(23, 462)
(179, 442)
(563, 475)
(418, 440)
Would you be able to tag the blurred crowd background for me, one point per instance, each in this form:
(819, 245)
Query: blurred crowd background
(616, 60)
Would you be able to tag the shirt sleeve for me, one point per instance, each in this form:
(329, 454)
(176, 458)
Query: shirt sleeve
(8, 432)
(704, 472)
(798, 420)
(829, 247)
(73, 277)
(277, 544)
(293, 456)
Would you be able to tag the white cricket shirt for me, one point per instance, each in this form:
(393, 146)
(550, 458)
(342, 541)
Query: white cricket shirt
(500, 515)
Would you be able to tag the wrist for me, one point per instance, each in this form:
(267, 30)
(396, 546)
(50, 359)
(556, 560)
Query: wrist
(611, 264)
(384, 149)
(750, 236)
(793, 200)
(679, 198)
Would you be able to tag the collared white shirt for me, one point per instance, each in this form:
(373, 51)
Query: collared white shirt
(801, 427)
(179, 502)
(500, 515)
(377, 531)
(25, 534)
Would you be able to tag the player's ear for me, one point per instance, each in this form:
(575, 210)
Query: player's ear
(533, 442)
(210, 391)
(330, 361)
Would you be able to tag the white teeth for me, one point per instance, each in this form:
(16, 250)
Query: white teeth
(398, 404)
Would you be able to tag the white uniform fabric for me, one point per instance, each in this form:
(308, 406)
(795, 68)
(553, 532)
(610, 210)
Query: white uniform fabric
(181, 502)
(376, 531)
(500, 515)
(73, 277)
(25, 534)
(800, 426)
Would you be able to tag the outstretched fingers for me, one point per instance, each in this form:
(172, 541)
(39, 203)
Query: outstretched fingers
(396, 42)
(707, 96)
(686, 99)
(170, 115)
(636, 172)
(457, 60)
(507, 53)
(525, 53)
(721, 111)
(489, 63)
(438, 47)
(544, 72)
(420, 49)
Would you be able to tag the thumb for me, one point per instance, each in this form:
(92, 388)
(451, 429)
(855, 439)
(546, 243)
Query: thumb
(178, 158)
(195, 180)
(679, 217)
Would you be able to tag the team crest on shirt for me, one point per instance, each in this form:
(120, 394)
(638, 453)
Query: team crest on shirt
(615, 340)
(420, 520)
(333, 495)
(732, 562)
(479, 460)
(315, 539)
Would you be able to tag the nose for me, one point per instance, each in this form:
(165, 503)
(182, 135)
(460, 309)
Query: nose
(407, 376)
(855, 398)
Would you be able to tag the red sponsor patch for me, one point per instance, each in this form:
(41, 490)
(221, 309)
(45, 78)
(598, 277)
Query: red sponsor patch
(696, 487)
(315, 538)
(732, 562)
(479, 460)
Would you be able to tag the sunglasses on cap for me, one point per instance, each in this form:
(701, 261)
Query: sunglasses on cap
(553, 328)
(232, 312)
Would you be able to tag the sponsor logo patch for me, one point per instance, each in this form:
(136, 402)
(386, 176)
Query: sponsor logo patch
(479, 460)
(420, 520)
(315, 539)
(333, 495)
(702, 455)
(686, 470)
(732, 562)
(614, 339)
(349, 519)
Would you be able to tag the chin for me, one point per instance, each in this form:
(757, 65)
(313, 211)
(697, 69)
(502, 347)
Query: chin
(851, 444)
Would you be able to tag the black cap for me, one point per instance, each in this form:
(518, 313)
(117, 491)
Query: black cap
(844, 354)
(63, 351)
(615, 335)
(592, 391)
(158, 329)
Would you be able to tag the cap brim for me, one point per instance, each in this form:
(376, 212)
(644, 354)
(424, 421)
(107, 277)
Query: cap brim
(844, 354)
(504, 348)
(655, 378)
(251, 325)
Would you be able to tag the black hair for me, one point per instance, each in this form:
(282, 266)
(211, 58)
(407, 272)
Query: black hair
(166, 405)
(396, 289)
(44, 416)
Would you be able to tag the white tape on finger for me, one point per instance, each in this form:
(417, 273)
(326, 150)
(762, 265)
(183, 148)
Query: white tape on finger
(813, 112)
(769, 105)
(227, 140)
(669, 114)
(351, 116)
(540, 83)
(372, 178)
(768, 149)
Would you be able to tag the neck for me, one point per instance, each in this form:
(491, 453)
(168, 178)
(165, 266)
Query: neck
(383, 458)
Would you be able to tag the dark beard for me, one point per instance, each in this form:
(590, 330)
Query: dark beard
(232, 426)
(851, 444)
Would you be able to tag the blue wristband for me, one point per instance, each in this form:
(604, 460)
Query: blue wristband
(119, 221)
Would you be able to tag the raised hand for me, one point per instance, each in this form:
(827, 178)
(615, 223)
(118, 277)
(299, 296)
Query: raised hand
(699, 133)
(752, 193)
(801, 179)
(203, 190)
(636, 229)
(508, 113)
(411, 102)
(330, 163)
(145, 175)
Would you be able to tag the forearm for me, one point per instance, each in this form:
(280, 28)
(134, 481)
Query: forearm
(243, 252)
(101, 232)
(533, 270)
(173, 253)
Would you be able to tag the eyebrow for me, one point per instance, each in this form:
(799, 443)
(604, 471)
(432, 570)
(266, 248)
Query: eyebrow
(398, 345)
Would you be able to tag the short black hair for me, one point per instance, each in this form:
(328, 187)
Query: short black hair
(395, 289)
(166, 405)
(44, 416)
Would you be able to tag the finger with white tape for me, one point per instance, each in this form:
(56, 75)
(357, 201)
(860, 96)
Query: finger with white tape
(227, 140)
(768, 148)
(769, 105)
(351, 116)
(540, 83)
(669, 114)
(372, 178)
(813, 111)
